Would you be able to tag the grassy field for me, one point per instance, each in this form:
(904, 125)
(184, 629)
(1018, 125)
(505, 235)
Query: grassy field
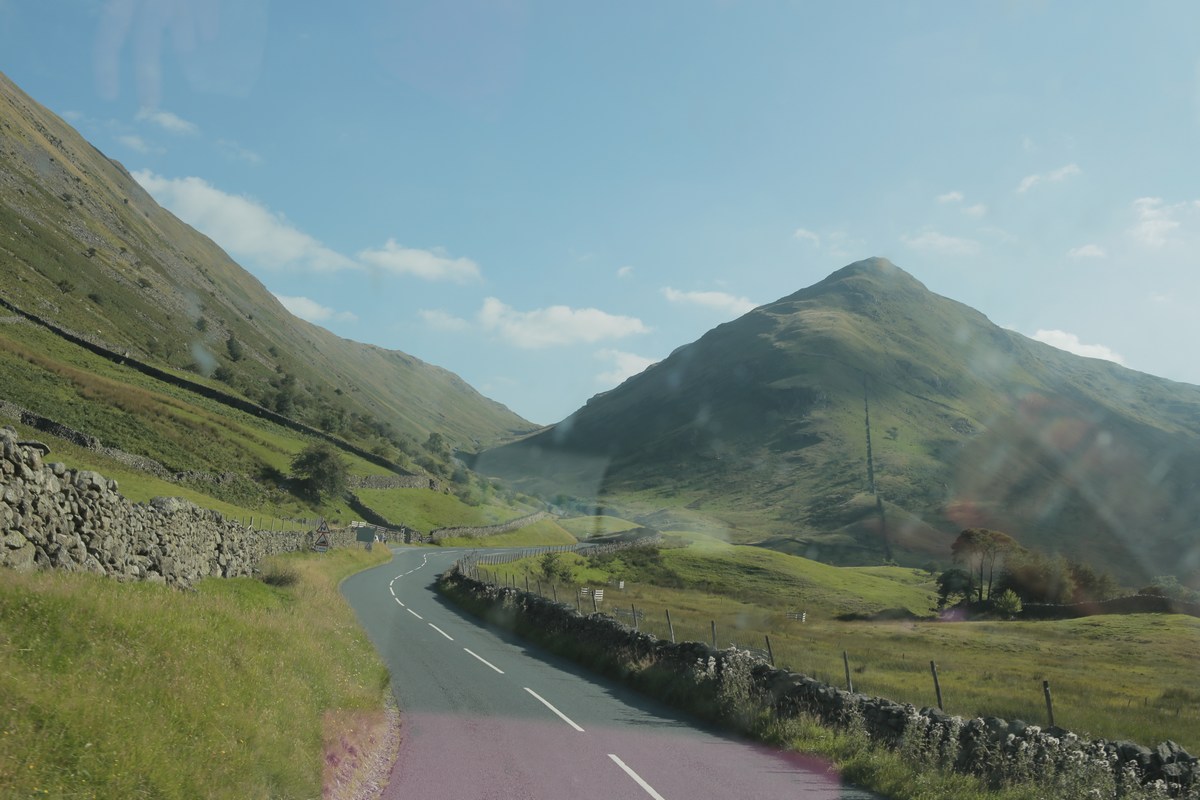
(424, 510)
(542, 532)
(114, 690)
(583, 527)
(1113, 676)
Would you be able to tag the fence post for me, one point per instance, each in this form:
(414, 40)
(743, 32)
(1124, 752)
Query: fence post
(670, 627)
(1049, 702)
(713, 623)
(770, 652)
(526, 583)
(937, 686)
(554, 590)
(633, 609)
(595, 608)
(578, 608)
(539, 583)
(846, 662)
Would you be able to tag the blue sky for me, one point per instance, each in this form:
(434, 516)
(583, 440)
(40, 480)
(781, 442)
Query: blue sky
(547, 197)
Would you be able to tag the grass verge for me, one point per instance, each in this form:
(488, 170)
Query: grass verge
(114, 690)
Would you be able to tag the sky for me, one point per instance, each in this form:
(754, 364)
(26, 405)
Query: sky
(547, 197)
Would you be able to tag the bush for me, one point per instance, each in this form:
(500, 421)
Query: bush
(321, 469)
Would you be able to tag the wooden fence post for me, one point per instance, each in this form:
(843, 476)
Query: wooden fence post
(633, 610)
(526, 583)
(770, 652)
(554, 590)
(846, 662)
(713, 623)
(937, 686)
(670, 627)
(1049, 702)
(595, 608)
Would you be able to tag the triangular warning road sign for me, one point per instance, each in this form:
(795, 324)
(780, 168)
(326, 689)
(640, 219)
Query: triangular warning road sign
(322, 542)
(323, 527)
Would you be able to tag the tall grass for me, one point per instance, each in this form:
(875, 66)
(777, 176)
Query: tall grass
(114, 690)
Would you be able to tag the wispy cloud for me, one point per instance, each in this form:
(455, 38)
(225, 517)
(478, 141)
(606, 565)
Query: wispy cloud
(624, 365)
(443, 321)
(804, 234)
(1054, 176)
(941, 244)
(244, 227)
(168, 121)
(950, 197)
(1087, 251)
(719, 301)
(555, 325)
(1156, 221)
(1070, 342)
(235, 151)
(311, 310)
(138, 144)
(430, 265)
(978, 210)
(625, 271)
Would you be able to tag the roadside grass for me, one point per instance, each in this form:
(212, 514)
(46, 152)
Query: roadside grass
(424, 510)
(542, 532)
(1117, 677)
(115, 690)
(583, 527)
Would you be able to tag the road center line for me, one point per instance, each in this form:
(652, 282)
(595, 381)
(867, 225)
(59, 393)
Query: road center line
(415, 614)
(561, 715)
(485, 661)
(397, 599)
(649, 789)
(442, 632)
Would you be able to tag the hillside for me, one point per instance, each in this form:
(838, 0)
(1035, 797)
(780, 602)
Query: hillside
(85, 247)
(761, 424)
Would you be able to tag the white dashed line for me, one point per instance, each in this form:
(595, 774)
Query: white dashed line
(485, 661)
(649, 789)
(442, 632)
(561, 715)
(397, 599)
(415, 614)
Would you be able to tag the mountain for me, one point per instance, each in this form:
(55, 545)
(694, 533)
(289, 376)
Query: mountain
(83, 246)
(762, 424)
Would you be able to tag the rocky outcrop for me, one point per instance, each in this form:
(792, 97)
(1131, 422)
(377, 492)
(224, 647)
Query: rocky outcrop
(54, 517)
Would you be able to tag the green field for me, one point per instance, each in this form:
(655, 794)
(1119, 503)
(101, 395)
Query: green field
(1119, 677)
(114, 690)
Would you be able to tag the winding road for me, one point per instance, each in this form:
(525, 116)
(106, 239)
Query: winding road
(487, 715)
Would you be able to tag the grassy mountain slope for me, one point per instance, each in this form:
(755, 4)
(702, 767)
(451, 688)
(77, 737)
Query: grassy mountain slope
(761, 423)
(83, 245)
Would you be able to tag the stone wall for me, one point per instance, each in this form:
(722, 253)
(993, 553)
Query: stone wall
(734, 687)
(394, 482)
(53, 517)
(490, 530)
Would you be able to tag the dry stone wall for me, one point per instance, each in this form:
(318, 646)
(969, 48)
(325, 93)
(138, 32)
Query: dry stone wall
(54, 517)
(734, 686)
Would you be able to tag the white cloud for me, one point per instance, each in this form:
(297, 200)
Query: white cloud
(1156, 220)
(430, 265)
(443, 321)
(934, 242)
(72, 116)
(1087, 251)
(137, 144)
(1055, 176)
(805, 234)
(950, 197)
(978, 210)
(311, 310)
(168, 121)
(236, 151)
(720, 301)
(625, 365)
(555, 325)
(1070, 342)
(625, 272)
(245, 228)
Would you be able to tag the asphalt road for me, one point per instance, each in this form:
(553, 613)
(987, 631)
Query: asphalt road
(487, 715)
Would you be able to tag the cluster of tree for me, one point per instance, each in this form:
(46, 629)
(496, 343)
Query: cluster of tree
(998, 572)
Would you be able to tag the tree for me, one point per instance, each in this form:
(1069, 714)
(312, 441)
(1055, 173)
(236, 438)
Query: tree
(1008, 605)
(982, 547)
(235, 349)
(321, 469)
(954, 583)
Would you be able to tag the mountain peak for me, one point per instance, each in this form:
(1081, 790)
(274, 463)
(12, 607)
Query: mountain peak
(877, 268)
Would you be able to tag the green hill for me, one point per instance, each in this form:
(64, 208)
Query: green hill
(83, 246)
(762, 425)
